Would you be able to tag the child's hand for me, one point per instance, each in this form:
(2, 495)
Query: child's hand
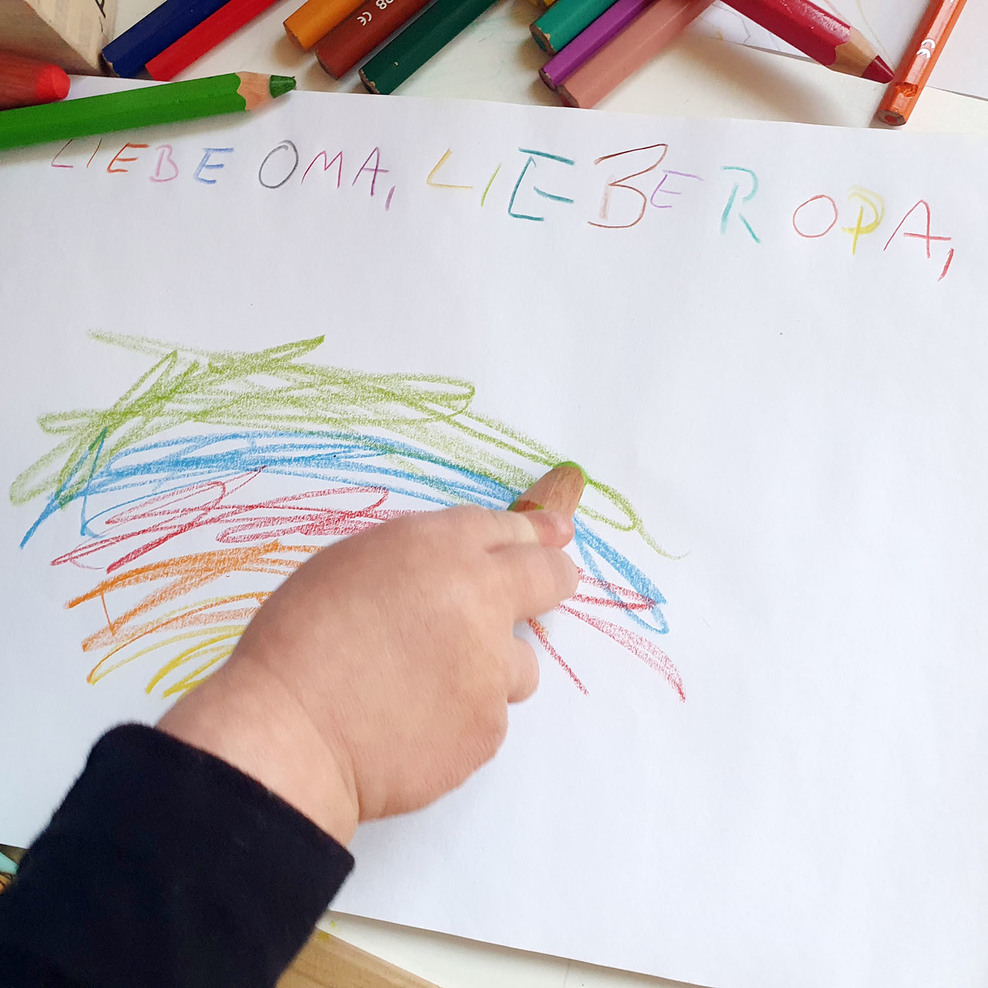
(378, 676)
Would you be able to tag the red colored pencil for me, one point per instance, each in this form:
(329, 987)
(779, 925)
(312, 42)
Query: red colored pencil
(924, 50)
(817, 33)
(205, 36)
(28, 82)
(366, 28)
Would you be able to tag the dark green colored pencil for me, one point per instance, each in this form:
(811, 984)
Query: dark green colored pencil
(418, 42)
(166, 103)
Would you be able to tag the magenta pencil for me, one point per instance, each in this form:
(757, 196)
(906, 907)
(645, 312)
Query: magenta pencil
(590, 40)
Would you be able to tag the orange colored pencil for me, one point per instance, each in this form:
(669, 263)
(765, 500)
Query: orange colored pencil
(914, 71)
(316, 18)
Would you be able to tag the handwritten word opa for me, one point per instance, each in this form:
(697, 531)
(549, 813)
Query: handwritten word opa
(820, 215)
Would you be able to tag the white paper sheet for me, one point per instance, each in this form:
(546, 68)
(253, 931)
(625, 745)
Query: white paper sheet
(888, 26)
(747, 330)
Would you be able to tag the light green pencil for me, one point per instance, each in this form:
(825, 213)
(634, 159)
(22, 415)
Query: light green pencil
(165, 103)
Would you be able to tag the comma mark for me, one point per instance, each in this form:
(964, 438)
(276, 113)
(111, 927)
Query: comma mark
(946, 267)
(387, 202)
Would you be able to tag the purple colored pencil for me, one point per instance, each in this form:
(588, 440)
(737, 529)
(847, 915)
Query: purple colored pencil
(590, 40)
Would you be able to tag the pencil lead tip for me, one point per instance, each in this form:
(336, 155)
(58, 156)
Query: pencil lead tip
(572, 465)
(878, 70)
(281, 84)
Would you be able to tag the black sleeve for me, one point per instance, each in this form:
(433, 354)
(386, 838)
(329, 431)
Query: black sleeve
(166, 866)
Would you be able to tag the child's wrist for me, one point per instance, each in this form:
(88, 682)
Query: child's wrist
(261, 730)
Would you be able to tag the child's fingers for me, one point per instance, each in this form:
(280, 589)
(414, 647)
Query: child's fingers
(493, 529)
(523, 671)
(551, 527)
(535, 578)
(471, 524)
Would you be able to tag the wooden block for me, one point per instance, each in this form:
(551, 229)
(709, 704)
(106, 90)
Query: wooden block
(70, 33)
(329, 962)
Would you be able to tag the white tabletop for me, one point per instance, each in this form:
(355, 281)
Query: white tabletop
(496, 59)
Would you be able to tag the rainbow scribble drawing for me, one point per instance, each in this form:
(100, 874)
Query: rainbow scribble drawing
(199, 451)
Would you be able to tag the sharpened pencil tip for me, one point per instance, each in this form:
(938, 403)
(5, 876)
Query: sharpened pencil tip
(558, 490)
(574, 465)
(878, 70)
(281, 84)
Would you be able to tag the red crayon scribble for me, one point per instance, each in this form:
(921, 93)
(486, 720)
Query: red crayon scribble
(639, 646)
(614, 595)
(946, 267)
(542, 635)
(160, 519)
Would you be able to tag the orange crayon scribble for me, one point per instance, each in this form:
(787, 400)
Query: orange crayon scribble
(187, 573)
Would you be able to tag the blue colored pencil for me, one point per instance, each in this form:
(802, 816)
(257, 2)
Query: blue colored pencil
(151, 35)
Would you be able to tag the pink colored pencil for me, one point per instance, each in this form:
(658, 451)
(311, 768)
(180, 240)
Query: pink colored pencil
(205, 36)
(625, 53)
(590, 40)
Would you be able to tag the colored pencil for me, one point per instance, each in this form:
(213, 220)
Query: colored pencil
(232, 16)
(590, 40)
(28, 82)
(912, 74)
(365, 29)
(818, 33)
(627, 52)
(558, 490)
(419, 41)
(564, 20)
(165, 103)
(316, 18)
(128, 54)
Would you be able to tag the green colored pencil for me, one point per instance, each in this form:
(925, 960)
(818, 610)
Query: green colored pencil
(564, 20)
(166, 103)
(418, 42)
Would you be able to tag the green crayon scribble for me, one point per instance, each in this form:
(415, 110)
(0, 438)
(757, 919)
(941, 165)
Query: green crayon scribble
(275, 388)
